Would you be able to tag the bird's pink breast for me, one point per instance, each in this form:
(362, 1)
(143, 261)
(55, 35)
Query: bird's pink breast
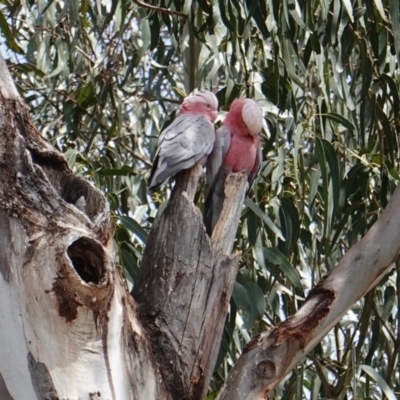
(242, 153)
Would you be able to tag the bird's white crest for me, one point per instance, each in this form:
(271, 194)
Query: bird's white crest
(252, 115)
(205, 97)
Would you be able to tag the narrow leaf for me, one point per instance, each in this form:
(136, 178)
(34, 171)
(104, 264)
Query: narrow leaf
(11, 43)
(134, 227)
(379, 7)
(129, 263)
(123, 171)
(379, 380)
(394, 14)
(277, 258)
(349, 8)
(341, 120)
(257, 210)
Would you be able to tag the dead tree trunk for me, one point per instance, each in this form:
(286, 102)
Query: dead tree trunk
(184, 287)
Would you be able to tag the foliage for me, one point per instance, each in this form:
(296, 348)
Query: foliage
(103, 77)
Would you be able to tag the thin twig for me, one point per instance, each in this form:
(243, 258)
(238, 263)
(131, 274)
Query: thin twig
(159, 9)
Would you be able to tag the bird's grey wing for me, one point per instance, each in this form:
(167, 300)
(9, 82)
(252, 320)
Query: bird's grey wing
(188, 140)
(216, 158)
(215, 199)
(173, 129)
(256, 170)
(216, 174)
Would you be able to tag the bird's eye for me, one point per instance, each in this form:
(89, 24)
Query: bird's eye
(208, 105)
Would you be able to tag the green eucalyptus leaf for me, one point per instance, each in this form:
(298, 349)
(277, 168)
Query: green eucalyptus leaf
(11, 43)
(379, 380)
(129, 263)
(341, 120)
(134, 227)
(275, 257)
(123, 171)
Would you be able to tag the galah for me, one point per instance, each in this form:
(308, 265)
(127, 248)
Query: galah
(187, 141)
(237, 149)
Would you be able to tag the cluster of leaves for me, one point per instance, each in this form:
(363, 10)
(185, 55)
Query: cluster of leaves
(103, 77)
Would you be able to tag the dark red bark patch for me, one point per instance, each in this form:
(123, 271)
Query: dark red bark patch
(67, 304)
(301, 329)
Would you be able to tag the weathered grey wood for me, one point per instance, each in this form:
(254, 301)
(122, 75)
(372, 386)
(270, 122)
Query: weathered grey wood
(185, 284)
(7, 85)
(224, 232)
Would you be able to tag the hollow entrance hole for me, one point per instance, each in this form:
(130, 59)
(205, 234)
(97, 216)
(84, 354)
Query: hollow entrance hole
(87, 257)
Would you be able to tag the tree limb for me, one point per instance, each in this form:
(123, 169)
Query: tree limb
(159, 9)
(270, 356)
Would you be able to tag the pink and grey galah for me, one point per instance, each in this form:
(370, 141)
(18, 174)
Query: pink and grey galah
(187, 141)
(237, 148)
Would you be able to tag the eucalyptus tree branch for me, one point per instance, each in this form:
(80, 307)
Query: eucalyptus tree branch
(191, 53)
(159, 9)
(271, 355)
